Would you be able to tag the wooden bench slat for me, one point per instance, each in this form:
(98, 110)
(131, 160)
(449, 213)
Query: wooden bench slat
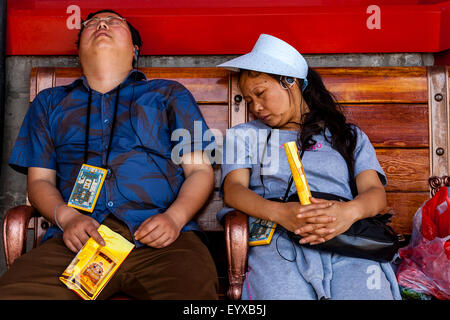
(405, 169)
(207, 85)
(377, 85)
(350, 85)
(392, 125)
(216, 116)
(405, 206)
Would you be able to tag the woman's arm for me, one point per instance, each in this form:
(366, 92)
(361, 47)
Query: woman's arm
(371, 198)
(240, 197)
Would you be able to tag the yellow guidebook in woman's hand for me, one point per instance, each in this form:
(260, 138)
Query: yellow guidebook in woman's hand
(298, 174)
(94, 265)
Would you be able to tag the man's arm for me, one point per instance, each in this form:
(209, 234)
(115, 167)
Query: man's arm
(162, 229)
(47, 199)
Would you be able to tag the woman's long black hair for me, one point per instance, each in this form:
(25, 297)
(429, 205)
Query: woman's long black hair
(326, 113)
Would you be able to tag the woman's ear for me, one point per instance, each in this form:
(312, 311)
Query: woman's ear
(287, 82)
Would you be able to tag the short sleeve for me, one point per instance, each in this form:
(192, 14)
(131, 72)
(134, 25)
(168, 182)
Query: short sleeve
(366, 157)
(237, 153)
(34, 145)
(186, 123)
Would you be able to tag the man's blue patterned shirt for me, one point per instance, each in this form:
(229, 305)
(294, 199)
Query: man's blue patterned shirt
(142, 180)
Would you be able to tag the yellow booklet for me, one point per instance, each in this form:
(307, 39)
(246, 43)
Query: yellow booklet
(298, 174)
(94, 265)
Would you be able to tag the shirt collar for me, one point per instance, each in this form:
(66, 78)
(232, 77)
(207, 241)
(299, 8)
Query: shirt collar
(139, 76)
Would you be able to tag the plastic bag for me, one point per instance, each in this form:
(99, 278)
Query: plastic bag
(425, 265)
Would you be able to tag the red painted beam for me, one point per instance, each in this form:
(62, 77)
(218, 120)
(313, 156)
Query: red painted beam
(179, 27)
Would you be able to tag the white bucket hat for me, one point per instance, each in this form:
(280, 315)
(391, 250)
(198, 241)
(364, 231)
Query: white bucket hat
(271, 55)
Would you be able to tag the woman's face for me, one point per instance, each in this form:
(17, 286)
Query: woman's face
(269, 102)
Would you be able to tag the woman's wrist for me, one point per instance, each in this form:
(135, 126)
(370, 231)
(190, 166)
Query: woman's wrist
(354, 210)
(273, 208)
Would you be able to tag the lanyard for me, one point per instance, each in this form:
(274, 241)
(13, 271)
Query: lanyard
(87, 128)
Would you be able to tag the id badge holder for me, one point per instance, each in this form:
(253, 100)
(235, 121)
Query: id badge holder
(87, 188)
(261, 232)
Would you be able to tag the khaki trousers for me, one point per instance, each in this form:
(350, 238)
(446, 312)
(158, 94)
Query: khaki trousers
(182, 270)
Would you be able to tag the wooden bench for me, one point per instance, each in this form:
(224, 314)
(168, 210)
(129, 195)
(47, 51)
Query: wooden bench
(403, 110)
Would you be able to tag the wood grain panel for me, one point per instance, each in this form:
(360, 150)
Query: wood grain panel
(350, 85)
(216, 116)
(42, 78)
(65, 76)
(404, 206)
(214, 90)
(405, 169)
(207, 85)
(387, 125)
(377, 85)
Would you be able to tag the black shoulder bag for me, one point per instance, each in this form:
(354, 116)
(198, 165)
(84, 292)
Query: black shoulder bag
(370, 238)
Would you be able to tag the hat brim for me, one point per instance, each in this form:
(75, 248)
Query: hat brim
(262, 63)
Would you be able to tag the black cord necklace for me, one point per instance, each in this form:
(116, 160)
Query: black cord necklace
(279, 227)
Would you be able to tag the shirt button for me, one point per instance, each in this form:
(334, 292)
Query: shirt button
(110, 203)
(106, 121)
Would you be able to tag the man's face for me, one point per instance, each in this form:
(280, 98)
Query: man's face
(114, 38)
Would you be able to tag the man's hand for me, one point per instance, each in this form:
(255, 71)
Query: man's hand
(161, 230)
(158, 231)
(78, 228)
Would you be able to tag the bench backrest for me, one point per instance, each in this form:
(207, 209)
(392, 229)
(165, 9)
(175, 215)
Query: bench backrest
(403, 110)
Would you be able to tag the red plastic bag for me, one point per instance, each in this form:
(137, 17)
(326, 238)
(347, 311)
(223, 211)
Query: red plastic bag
(425, 265)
